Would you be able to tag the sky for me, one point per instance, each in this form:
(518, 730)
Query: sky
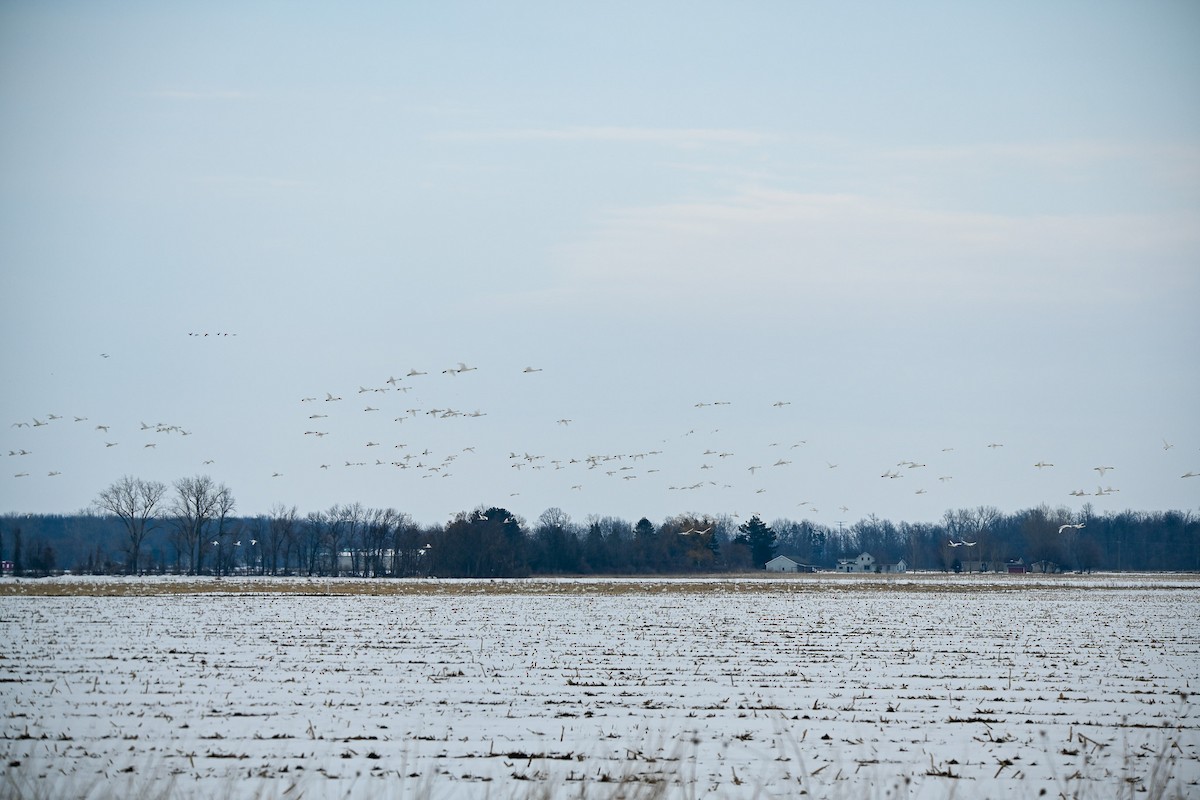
(803, 260)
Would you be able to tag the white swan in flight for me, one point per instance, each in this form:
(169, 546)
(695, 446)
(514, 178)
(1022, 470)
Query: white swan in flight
(1076, 526)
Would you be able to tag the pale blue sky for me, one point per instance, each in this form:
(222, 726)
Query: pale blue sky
(923, 226)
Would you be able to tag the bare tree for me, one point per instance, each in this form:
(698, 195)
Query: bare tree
(334, 525)
(312, 532)
(407, 546)
(347, 535)
(280, 535)
(199, 504)
(377, 533)
(134, 501)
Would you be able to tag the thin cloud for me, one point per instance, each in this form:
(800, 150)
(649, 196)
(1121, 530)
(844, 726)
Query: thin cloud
(776, 247)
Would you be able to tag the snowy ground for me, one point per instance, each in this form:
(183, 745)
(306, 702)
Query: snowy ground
(840, 687)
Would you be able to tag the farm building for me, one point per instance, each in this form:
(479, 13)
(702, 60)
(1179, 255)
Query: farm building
(866, 563)
(785, 564)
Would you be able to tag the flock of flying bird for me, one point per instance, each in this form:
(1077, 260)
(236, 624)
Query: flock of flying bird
(47, 419)
(329, 419)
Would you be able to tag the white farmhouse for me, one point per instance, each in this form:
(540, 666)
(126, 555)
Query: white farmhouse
(866, 563)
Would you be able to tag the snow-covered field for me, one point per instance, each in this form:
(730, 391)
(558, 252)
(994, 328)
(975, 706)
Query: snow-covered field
(841, 687)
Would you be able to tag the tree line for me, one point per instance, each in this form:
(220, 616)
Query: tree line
(190, 527)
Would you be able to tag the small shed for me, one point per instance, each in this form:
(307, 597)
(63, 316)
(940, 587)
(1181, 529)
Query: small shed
(1017, 567)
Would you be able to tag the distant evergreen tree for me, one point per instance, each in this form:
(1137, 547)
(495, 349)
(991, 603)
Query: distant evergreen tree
(647, 551)
(756, 535)
(644, 530)
(484, 543)
(595, 550)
